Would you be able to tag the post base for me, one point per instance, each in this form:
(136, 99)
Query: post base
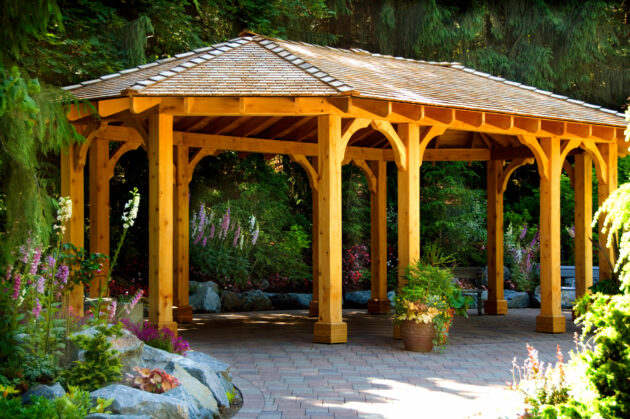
(330, 332)
(396, 333)
(313, 309)
(495, 307)
(183, 314)
(172, 326)
(551, 323)
(376, 306)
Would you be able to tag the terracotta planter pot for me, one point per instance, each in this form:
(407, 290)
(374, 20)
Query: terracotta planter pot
(417, 337)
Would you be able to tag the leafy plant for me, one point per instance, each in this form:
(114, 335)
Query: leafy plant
(75, 404)
(162, 339)
(521, 252)
(152, 380)
(101, 364)
(356, 268)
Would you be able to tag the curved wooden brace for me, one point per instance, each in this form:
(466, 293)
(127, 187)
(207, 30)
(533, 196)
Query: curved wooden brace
(570, 172)
(120, 151)
(598, 159)
(346, 160)
(81, 155)
(369, 175)
(541, 158)
(196, 158)
(429, 134)
(507, 172)
(313, 178)
(567, 147)
(400, 152)
(355, 125)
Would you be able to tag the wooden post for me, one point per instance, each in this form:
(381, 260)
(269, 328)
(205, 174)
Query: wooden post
(496, 303)
(583, 219)
(313, 307)
(378, 303)
(72, 184)
(550, 319)
(160, 149)
(609, 153)
(330, 327)
(99, 212)
(408, 204)
(183, 312)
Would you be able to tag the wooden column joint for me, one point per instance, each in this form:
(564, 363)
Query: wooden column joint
(398, 147)
(311, 173)
(541, 157)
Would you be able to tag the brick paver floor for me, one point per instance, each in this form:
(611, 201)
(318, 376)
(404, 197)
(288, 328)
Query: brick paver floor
(282, 374)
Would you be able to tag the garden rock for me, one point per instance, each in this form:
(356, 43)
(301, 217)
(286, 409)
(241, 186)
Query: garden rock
(205, 298)
(391, 296)
(484, 275)
(107, 416)
(128, 346)
(256, 300)
(232, 301)
(211, 362)
(194, 409)
(357, 299)
(201, 394)
(194, 286)
(282, 301)
(203, 374)
(304, 299)
(132, 401)
(567, 296)
(49, 392)
(156, 358)
(516, 299)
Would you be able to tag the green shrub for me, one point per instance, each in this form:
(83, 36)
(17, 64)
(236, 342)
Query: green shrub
(101, 365)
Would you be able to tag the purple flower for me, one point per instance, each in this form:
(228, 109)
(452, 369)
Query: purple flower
(112, 311)
(205, 241)
(225, 224)
(16, 285)
(134, 301)
(8, 275)
(202, 217)
(62, 273)
(255, 237)
(24, 254)
(37, 256)
(51, 262)
(237, 236)
(212, 231)
(37, 309)
(523, 233)
(199, 236)
(40, 285)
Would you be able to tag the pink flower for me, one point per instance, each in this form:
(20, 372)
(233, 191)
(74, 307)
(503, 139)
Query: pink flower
(255, 236)
(205, 241)
(134, 301)
(35, 262)
(37, 309)
(212, 231)
(112, 311)
(16, 285)
(237, 236)
(40, 284)
(62, 273)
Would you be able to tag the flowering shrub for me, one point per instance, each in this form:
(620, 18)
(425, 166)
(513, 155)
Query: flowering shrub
(356, 268)
(521, 251)
(162, 339)
(153, 381)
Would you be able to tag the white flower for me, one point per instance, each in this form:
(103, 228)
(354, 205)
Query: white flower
(131, 209)
(63, 215)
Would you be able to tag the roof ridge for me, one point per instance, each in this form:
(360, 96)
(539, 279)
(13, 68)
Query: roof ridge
(210, 52)
(457, 66)
(314, 71)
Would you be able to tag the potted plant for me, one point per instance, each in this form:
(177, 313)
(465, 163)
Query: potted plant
(426, 305)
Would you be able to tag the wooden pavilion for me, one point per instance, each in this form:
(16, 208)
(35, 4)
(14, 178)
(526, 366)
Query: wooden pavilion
(327, 107)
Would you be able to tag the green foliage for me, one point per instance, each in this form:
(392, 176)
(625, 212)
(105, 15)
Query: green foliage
(101, 364)
(521, 253)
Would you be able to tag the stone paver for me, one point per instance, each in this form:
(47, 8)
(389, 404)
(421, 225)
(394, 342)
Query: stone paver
(282, 374)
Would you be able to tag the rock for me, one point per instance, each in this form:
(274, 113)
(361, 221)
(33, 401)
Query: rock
(203, 374)
(232, 301)
(516, 299)
(484, 275)
(194, 410)
(194, 286)
(128, 346)
(357, 299)
(132, 401)
(106, 416)
(304, 299)
(196, 389)
(391, 296)
(49, 392)
(567, 297)
(256, 300)
(205, 299)
(211, 362)
(290, 300)
(156, 358)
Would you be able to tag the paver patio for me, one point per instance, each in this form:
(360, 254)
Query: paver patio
(282, 374)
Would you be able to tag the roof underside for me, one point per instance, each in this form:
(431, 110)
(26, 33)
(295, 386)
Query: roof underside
(258, 66)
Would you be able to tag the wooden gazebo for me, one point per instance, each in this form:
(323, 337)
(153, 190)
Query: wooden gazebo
(327, 107)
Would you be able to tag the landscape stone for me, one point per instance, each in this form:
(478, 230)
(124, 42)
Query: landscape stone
(304, 299)
(49, 392)
(128, 346)
(206, 299)
(204, 375)
(484, 275)
(232, 301)
(256, 300)
(133, 401)
(194, 410)
(211, 362)
(516, 299)
(156, 358)
(108, 416)
(201, 394)
(357, 299)
(567, 296)
(283, 301)
(391, 296)
(193, 286)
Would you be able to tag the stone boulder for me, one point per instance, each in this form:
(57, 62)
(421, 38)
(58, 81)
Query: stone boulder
(42, 390)
(108, 416)
(232, 301)
(567, 297)
(211, 362)
(516, 299)
(128, 346)
(133, 401)
(194, 409)
(204, 375)
(204, 296)
(202, 396)
(391, 296)
(289, 300)
(256, 300)
(484, 275)
(357, 299)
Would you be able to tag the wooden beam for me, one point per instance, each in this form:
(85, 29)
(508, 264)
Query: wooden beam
(579, 130)
(99, 212)
(378, 108)
(330, 327)
(456, 154)
(539, 154)
(181, 237)
(313, 177)
(566, 166)
(141, 104)
(378, 302)
(505, 173)
(398, 147)
(160, 150)
(369, 175)
(313, 307)
(353, 127)
(606, 186)
(528, 125)
(550, 319)
(438, 116)
(116, 155)
(475, 119)
(112, 106)
(502, 122)
(583, 218)
(427, 135)
(496, 303)
(553, 128)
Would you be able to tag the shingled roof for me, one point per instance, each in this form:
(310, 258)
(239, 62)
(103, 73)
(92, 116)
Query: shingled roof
(261, 66)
